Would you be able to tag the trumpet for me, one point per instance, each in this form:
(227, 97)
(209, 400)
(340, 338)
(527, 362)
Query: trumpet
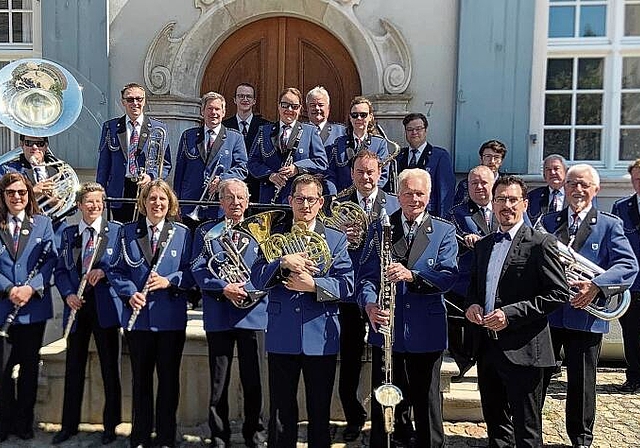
(206, 195)
(230, 265)
(153, 162)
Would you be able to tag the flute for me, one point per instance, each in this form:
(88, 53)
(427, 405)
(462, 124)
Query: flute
(4, 332)
(154, 268)
(81, 288)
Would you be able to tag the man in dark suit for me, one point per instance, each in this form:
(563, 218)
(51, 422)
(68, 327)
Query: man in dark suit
(207, 154)
(551, 197)
(234, 314)
(425, 249)
(627, 210)
(473, 219)
(123, 163)
(86, 251)
(516, 281)
(365, 174)
(492, 154)
(599, 237)
(303, 331)
(434, 159)
(247, 123)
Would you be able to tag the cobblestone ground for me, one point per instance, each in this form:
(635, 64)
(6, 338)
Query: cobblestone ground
(617, 424)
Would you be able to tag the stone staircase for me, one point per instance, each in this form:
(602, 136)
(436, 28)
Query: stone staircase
(461, 401)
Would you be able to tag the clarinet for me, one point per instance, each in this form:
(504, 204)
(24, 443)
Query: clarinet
(154, 268)
(4, 332)
(81, 288)
(288, 162)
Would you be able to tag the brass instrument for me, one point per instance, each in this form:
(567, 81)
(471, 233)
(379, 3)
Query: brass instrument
(81, 288)
(154, 160)
(277, 245)
(205, 196)
(387, 394)
(40, 98)
(391, 161)
(230, 266)
(154, 268)
(347, 214)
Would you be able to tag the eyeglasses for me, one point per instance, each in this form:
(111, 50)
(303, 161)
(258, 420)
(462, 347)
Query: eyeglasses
(509, 200)
(491, 157)
(418, 129)
(581, 183)
(361, 115)
(131, 99)
(244, 96)
(310, 199)
(38, 143)
(13, 192)
(231, 198)
(286, 105)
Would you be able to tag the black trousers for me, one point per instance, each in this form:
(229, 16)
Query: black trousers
(221, 344)
(124, 212)
(418, 377)
(581, 353)
(284, 375)
(511, 397)
(461, 332)
(108, 345)
(159, 351)
(17, 401)
(630, 323)
(352, 333)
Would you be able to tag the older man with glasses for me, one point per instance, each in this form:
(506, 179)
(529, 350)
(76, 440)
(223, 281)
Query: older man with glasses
(123, 151)
(285, 149)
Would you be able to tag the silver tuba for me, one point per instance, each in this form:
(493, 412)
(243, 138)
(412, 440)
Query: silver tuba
(40, 98)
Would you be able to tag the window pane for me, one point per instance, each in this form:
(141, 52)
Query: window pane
(590, 73)
(5, 140)
(592, 21)
(587, 146)
(557, 142)
(561, 21)
(557, 109)
(4, 4)
(629, 144)
(632, 20)
(22, 27)
(4, 27)
(559, 74)
(631, 73)
(630, 113)
(589, 108)
(22, 4)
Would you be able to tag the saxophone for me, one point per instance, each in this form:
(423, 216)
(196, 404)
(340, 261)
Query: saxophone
(387, 394)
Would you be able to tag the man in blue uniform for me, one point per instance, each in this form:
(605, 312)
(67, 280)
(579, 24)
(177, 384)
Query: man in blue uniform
(207, 154)
(233, 314)
(123, 160)
(318, 109)
(600, 238)
(425, 248)
(303, 331)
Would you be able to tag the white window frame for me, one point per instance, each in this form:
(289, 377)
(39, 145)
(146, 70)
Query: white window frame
(612, 48)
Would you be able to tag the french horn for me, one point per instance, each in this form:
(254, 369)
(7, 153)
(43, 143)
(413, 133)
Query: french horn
(40, 98)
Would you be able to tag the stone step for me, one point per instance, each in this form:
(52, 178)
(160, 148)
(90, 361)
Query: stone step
(462, 401)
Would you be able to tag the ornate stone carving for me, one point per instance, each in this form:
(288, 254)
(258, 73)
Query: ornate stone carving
(159, 60)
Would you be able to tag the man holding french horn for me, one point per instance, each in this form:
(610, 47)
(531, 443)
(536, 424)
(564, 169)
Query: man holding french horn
(599, 238)
(233, 314)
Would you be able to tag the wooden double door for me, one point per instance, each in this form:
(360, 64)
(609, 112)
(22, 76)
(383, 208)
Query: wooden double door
(281, 52)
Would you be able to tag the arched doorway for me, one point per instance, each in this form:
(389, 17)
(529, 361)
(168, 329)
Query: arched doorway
(283, 52)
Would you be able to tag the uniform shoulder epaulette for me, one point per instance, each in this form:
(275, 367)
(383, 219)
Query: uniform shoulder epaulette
(232, 130)
(610, 215)
(117, 223)
(179, 224)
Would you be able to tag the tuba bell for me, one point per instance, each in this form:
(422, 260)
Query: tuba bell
(40, 98)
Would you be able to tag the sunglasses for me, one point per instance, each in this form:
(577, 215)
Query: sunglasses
(356, 115)
(286, 105)
(13, 192)
(38, 143)
(131, 99)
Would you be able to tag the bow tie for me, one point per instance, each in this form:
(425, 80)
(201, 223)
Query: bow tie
(499, 236)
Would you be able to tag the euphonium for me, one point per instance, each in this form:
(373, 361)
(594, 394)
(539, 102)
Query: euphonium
(154, 161)
(387, 394)
(229, 264)
(347, 214)
(298, 240)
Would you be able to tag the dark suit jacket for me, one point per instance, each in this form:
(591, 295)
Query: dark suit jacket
(532, 284)
(256, 122)
(627, 210)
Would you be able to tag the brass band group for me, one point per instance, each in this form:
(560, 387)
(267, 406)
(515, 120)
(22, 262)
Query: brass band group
(349, 239)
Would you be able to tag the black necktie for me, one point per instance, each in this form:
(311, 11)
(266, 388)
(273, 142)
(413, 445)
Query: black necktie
(499, 236)
(414, 159)
(574, 227)
(284, 138)
(554, 201)
(244, 128)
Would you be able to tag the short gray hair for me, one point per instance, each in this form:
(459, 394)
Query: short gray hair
(225, 183)
(414, 173)
(552, 157)
(479, 168)
(581, 168)
(318, 91)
